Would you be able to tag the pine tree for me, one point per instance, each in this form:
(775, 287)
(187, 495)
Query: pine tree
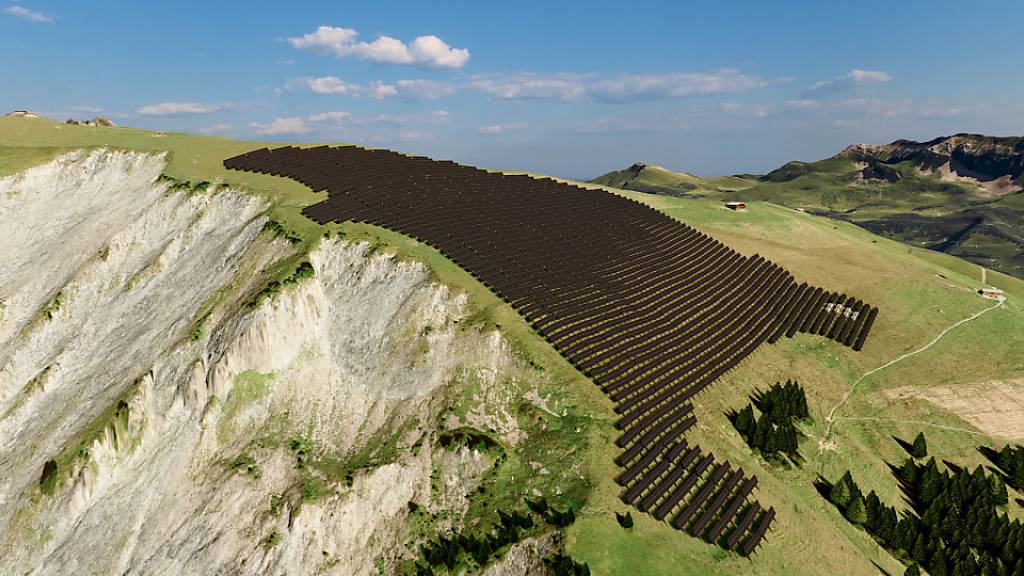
(909, 472)
(920, 550)
(856, 512)
(937, 566)
(874, 510)
(1017, 474)
(931, 483)
(912, 570)
(840, 494)
(745, 421)
(920, 447)
(1005, 460)
(760, 436)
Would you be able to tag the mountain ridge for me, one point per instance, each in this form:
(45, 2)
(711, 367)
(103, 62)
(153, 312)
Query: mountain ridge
(961, 194)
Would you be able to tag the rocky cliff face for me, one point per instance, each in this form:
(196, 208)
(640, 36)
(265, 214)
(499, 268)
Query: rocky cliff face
(156, 419)
(996, 163)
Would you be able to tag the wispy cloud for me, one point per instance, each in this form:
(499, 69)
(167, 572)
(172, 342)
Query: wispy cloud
(331, 122)
(402, 89)
(620, 88)
(525, 86)
(849, 82)
(412, 89)
(632, 87)
(291, 125)
(217, 129)
(32, 15)
(426, 51)
(180, 109)
(499, 129)
(528, 86)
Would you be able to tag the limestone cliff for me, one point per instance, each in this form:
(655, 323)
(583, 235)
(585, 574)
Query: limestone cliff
(156, 417)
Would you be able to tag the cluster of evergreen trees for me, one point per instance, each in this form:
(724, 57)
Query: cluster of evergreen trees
(954, 528)
(775, 431)
(453, 551)
(1011, 463)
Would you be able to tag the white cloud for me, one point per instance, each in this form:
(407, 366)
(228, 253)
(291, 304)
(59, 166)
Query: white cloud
(498, 129)
(292, 125)
(217, 129)
(521, 86)
(435, 118)
(620, 88)
(180, 109)
(631, 87)
(525, 86)
(330, 117)
(338, 124)
(403, 89)
(422, 89)
(25, 13)
(427, 51)
(324, 85)
(848, 82)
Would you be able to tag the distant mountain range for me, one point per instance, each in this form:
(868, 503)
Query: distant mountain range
(960, 194)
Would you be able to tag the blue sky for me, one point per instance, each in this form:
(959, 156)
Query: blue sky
(566, 88)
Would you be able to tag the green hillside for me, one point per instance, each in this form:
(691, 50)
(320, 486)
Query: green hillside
(896, 191)
(657, 180)
(945, 390)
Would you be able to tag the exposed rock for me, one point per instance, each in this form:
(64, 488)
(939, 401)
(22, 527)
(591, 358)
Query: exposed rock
(526, 557)
(879, 173)
(995, 163)
(139, 438)
(22, 114)
(98, 121)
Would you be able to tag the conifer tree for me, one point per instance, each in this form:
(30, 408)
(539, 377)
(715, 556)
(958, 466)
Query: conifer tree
(1017, 474)
(912, 570)
(856, 512)
(920, 447)
(745, 421)
(937, 566)
(910, 473)
(840, 494)
(1005, 459)
(760, 436)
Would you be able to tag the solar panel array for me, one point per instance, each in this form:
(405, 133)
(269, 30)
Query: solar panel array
(649, 308)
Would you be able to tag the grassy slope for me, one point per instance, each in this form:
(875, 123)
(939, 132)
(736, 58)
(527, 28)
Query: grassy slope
(919, 210)
(810, 537)
(660, 180)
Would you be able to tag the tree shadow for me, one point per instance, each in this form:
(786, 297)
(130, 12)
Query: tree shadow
(907, 446)
(824, 487)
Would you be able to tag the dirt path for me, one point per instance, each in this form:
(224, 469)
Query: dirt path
(832, 413)
(917, 422)
(984, 275)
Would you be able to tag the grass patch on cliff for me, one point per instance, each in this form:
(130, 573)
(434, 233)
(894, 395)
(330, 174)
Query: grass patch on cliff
(113, 421)
(249, 387)
(380, 449)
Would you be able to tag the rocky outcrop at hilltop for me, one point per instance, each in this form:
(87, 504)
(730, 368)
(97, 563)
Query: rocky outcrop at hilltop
(996, 163)
(22, 114)
(98, 121)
